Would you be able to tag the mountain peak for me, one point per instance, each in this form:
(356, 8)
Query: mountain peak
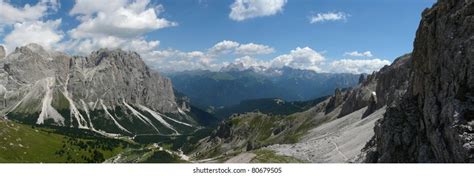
(118, 57)
(33, 48)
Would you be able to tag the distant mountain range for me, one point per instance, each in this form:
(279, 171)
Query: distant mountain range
(234, 83)
(273, 106)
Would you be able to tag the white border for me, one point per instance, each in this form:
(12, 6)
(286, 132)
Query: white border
(187, 169)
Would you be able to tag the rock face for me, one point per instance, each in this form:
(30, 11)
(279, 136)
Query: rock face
(2, 52)
(393, 81)
(388, 85)
(434, 121)
(109, 91)
(335, 100)
(119, 76)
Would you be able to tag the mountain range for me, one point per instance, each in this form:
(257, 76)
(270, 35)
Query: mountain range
(234, 83)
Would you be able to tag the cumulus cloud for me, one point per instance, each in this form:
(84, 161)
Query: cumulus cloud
(301, 58)
(253, 49)
(247, 9)
(248, 62)
(90, 7)
(174, 60)
(120, 19)
(357, 66)
(10, 14)
(308, 59)
(170, 60)
(232, 47)
(224, 47)
(359, 54)
(85, 46)
(115, 24)
(330, 16)
(27, 24)
(46, 34)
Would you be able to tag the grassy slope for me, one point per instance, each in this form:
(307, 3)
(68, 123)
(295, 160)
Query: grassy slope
(252, 131)
(25, 144)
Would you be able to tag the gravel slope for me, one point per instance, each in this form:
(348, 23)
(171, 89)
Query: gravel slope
(337, 141)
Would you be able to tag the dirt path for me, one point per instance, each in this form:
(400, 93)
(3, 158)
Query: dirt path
(339, 151)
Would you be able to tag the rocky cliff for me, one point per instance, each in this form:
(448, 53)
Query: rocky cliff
(435, 119)
(2, 52)
(381, 88)
(109, 91)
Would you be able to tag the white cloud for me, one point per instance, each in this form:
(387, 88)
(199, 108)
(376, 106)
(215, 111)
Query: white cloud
(248, 62)
(357, 66)
(142, 46)
(85, 46)
(174, 60)
(119, 19)
(46, 34)
(90, 7)
(359, 54)
(301, 58)
(253, 49)
(115, 24)
(10, 14)
(307, 58)
(232, 47)
(224, 47)
(330, 16)
(246, 9)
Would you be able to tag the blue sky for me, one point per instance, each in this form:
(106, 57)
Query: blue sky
(350, 36)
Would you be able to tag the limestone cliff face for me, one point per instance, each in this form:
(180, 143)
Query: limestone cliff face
(434, 121)
(115, 75)
(109, 91)
(110, 75)
(382, 88)
(2, 52)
